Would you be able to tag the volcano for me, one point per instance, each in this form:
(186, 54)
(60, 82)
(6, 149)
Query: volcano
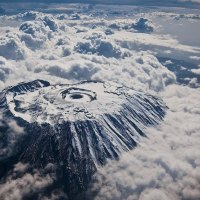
(78, 127)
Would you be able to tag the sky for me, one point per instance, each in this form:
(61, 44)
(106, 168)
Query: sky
(185, 3)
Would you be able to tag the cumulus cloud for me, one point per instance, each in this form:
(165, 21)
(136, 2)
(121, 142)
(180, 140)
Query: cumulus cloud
(96, 44)
(141, 25)
(12, 48)
(35, 34)
(91, 55)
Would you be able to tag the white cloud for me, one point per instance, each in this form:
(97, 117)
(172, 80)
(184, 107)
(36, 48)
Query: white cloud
(21, 186)
(96, 44)
(12, 48)
(196, 71)
(79, 56)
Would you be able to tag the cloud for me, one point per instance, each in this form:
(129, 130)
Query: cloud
(24, 182)
(96, 44)
(78, 56)
(196, 71)
(10, 134)
(76, 71)
(163, 45)
(141, 25)
(12, 48)
(5, 70)
(35, 33)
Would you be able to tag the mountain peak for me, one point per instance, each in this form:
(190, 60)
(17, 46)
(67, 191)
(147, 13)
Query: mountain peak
(79, 125)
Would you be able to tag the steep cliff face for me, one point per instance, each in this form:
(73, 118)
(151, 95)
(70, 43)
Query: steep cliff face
(80, 126)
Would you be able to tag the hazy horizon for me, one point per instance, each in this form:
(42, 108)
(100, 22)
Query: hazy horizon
(171, 3)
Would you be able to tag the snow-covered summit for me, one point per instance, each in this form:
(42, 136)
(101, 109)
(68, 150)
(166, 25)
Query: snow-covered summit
(110, 115)
(40, 102)
(80, 125)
